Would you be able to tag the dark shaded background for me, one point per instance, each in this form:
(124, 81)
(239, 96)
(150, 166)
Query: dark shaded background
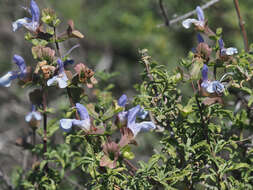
(114, 32)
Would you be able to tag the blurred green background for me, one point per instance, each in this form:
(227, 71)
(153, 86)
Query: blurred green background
(114, 32)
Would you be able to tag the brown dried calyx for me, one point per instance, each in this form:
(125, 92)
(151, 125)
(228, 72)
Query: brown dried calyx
(43, 53)
(85, 75)
(72, 33)
(203, 51)
(111, 154)
(45, 69)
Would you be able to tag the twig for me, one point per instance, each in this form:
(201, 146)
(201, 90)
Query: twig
(185, 16)
(241, 24)
(164, 13)
(134, 169)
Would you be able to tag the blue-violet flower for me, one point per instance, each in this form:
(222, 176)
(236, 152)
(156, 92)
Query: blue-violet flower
(226, 51)
(137, 127)
(33, 115)
(11, 75)
(61, 79)
(210, 87)
(84, 122)
(31, 24)
(200, 22)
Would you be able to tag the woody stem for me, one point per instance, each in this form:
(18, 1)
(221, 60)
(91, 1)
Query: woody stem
(241, 24)
(44, 102)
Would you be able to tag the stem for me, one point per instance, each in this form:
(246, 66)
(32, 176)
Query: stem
(56, 43)
(34, 143)
(72, 102)
(241, 24)
(44, 96)
(134, 169)
(205, 131)
(164, 13)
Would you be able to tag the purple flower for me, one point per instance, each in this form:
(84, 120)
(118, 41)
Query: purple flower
(61, 79)
(122, 116)
(29, 23)
(33, 115)
(226, 51)
(84, 122)
(137, 127)
(210, 87)
(11, 75)
(200, 38)
(200, 22)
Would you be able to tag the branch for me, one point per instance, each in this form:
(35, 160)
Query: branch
(165, 15)
(241, 24)
(185, 16)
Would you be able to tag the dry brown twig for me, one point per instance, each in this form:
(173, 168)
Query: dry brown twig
(169, 22)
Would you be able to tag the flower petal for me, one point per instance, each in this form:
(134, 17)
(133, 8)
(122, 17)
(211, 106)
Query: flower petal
(19, 23)
(188, 22)
(7, 79)
(35, 11)
(52, 81)
(200, 14)
(66, 124)
(132, 113)
(205, 73)
(231, 51)
(200, 38)
(122, 100)
(143, 126)
(60, 65)
(142, 113)
(122, 116)
(84, 115)
(221, 43)
(218, 87)
(20, 63)
(84, 124)
(62, 80)
(28, 117)
(37, 115)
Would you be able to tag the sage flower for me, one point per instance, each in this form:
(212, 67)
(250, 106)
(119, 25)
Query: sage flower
(11, 75)
(31, 24)
(210, 87)
(122, 116)
(226, 51)
(199, 23)
(33, 115)
(61, 79)
(137, 127)
(83, 123)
